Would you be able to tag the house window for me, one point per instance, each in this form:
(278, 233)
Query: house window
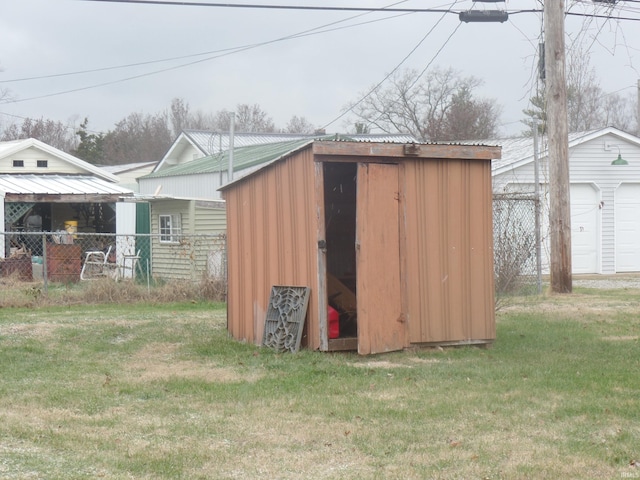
(170, 228)
(42, 163)
(18, 163)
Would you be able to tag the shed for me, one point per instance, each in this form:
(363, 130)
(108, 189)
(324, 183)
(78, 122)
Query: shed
(401, 232)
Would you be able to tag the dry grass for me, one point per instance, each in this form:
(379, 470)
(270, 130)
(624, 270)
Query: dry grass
(160, 391)
(17, 293)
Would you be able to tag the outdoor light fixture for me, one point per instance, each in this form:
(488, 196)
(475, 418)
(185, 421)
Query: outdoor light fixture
(619, 160)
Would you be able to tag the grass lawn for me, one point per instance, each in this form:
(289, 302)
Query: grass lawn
(160, 391)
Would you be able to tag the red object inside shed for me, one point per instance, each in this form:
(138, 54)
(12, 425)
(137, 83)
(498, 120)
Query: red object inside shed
(334, 322)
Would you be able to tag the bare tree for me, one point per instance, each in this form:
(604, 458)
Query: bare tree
(299, 125)
(438, 106)
(179, 112)
(469, 118)
(51, 132)
(588, 106)
(248, 118)
(137, 138)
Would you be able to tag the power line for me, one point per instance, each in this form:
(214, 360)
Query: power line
(272, 7)
(225, 52)
(371, 91)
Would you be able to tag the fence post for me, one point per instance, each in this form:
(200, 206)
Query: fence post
(536, 169)
(45, 274)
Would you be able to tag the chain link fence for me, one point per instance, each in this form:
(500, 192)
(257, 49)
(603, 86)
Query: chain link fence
(78, 257)
(75, 258)
(516, 237)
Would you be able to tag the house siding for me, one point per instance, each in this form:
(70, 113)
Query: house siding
(30, 156)
(589, 163)
(204, 185)
(193, 254)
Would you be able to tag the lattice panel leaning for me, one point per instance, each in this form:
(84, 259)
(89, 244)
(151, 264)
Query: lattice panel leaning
(285, 317)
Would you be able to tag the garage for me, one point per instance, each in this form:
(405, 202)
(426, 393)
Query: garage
(627, 215)
(585, 228)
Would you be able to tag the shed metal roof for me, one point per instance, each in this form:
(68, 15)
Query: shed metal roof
(212, 143)
(252, 155)
(59, 185)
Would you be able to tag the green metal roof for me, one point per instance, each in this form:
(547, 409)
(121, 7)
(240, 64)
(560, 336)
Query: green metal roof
(244, 157)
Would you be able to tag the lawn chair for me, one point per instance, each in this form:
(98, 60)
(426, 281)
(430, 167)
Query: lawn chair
(129, 263)
(97, 265)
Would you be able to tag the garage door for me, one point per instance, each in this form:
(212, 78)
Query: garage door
(585, 211)
(627, 218)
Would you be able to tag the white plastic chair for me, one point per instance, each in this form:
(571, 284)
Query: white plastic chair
(96, 265)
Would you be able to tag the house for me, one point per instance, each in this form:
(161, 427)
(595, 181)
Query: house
(197, 163)
(604, 195)
(397, 237)
(43, 189)
(189, 236)
(129, 173)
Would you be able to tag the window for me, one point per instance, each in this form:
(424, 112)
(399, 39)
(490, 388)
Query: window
(170, 228)
(18, 163)
(43, 163)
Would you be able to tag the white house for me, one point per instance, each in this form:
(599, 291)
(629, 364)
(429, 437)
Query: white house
(43, 188)
(604, 194)
(197, 162)
(129, 173)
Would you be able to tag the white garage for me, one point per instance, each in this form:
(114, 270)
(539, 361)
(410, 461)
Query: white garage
(585, 228)
(605, 196)
(627, 218)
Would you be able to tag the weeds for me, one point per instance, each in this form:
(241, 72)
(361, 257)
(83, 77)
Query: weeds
(17, 293)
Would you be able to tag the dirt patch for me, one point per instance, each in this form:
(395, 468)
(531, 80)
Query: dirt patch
(159, 361)
(621, 338)
(381, 364)
(38, 331)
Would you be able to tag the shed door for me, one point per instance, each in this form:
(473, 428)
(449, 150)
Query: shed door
(380, 320)
(627, 219)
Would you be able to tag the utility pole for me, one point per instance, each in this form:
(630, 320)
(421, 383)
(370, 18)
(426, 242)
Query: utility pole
(558, 131)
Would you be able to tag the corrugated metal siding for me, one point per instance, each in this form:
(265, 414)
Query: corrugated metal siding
(203, 185)
(272, 240)
(449, 250)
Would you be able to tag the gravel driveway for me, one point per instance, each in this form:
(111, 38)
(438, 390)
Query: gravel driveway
(607, 281)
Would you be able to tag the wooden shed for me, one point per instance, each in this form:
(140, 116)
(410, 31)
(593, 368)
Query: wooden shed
(398, 237)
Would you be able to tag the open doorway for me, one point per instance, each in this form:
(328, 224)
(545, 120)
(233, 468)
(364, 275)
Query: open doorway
(340, 189)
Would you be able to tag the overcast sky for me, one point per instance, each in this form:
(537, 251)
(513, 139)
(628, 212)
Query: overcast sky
(313, 76)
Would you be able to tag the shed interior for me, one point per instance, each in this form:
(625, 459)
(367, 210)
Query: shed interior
(340, 188)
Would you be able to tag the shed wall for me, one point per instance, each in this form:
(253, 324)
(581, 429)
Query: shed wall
(272, 240)
(449, 250)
